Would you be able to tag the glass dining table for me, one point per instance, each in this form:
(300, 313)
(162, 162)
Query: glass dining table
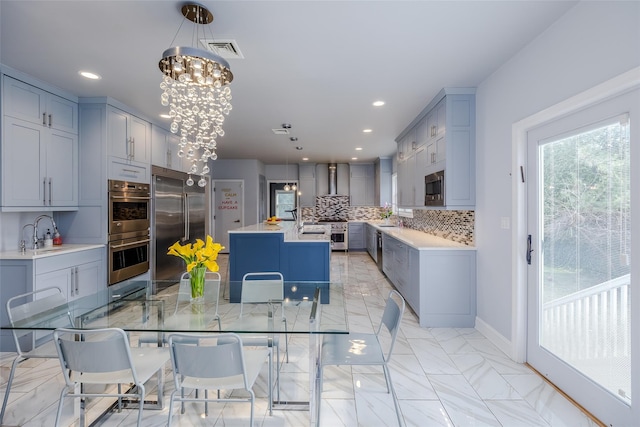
(311, 309)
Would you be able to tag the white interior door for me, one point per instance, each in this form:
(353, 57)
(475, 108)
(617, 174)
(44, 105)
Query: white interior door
(581, 284)
(228, 209)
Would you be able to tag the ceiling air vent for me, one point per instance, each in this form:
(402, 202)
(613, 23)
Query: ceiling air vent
(226, 48)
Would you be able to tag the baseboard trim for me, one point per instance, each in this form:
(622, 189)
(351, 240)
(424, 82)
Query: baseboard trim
(494, 337)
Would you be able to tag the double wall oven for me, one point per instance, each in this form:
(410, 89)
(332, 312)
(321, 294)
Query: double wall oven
(129, 225)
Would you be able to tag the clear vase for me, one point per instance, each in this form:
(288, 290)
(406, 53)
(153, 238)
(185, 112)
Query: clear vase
(197, 275)
(386, 221)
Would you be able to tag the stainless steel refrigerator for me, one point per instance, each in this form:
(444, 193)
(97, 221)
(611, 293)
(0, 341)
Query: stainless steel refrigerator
(180, 213)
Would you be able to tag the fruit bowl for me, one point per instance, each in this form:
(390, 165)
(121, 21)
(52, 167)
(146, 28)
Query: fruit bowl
(273, 222)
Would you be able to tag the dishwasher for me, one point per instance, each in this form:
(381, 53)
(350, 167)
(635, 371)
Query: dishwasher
(379, 249)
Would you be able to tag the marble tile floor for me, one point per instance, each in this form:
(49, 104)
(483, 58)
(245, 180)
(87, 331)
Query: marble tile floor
(443, 377)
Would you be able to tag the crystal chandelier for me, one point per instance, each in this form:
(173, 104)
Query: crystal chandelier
(195, 90)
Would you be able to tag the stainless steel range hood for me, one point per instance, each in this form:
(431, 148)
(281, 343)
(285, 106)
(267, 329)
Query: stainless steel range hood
(333, 179)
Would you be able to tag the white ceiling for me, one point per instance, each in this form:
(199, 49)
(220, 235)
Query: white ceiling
(318, 65)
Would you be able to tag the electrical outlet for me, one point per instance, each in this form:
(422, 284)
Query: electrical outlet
(505, 222)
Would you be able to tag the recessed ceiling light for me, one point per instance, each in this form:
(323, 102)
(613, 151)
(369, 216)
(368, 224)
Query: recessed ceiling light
(305, 159)
(367, 130)
(358, 148)
(298, 148)
(293, 139)
(354, 158)
(165, 116)
(90, 75)
(378, 103)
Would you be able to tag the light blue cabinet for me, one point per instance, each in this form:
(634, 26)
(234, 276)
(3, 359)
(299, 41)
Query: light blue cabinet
(78, 274)
(444, 135)
(39, 149)
(371, 239)
(356, 238)
(307, 184)
(361, 184)
(439, 285)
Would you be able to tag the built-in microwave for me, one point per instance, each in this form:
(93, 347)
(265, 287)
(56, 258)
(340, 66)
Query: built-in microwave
(434, 189)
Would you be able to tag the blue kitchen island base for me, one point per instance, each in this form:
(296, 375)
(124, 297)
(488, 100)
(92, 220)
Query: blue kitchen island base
(298, 261)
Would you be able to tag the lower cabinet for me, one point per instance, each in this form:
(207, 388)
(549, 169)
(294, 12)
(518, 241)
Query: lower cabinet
(439, 285)
(78, 274)
(356, 236)
(371, 241)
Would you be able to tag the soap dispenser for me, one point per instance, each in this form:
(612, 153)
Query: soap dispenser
(57, 239)
(48, 241)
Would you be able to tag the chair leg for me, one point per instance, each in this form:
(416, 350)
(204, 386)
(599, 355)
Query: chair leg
(6, 393)
(269, 381)
(278, 372)
(141, 406)
(173, 395)
(60, 405)
(253, 399)
(319, 396)
(206, 403)
(286, 340)
(387, 376)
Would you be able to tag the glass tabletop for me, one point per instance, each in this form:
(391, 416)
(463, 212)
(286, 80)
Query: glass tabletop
(155, 306)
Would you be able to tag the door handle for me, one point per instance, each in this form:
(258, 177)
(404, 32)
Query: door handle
(529, 250)
(237, 220)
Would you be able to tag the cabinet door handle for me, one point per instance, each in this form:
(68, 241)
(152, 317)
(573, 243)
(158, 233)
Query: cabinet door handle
(169, 158)
(50, 120)
(44, 191)
(133, 148)
(73, 286)
(77, 285)
(44, 119)
(50, 190)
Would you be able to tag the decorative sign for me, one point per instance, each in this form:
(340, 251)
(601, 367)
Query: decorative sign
(229, 200)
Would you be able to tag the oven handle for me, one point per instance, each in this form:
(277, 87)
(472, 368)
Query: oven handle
(131, 197)
(124, 245)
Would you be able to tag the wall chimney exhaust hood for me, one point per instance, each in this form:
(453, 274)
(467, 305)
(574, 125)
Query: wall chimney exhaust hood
(333, 179)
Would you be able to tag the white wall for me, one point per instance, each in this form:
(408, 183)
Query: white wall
(591, 43)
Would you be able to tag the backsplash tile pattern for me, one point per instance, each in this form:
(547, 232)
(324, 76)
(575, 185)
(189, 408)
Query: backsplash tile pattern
(332, 207)
(458, 226)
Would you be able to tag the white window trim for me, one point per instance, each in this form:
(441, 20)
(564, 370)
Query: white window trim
(613, 87)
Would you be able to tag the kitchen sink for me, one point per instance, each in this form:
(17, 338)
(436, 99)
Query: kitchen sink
(52, 249)
(313, 232)
(387, 225)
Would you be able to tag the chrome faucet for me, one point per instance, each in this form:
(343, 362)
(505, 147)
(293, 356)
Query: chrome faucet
(23, 243)
(35, 228)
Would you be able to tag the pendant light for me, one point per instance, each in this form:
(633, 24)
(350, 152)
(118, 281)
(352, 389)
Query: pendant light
(195, 88)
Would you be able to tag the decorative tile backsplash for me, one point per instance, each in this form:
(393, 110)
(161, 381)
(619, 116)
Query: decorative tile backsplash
(458, 226)
(332, 207)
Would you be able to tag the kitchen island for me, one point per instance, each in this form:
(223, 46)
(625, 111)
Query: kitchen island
(299, 254)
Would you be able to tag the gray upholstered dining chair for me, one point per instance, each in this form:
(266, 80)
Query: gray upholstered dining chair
(234, 367)
(50, 303)
(367, 349)
(104, 357)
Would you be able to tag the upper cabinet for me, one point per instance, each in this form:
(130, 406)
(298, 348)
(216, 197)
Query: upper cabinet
(307, 184)
(39, 149)
(129, 136)
(34, 105)
(441, 138)
(361, 184)
(165, 147)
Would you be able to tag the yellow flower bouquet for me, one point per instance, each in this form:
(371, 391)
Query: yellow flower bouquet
(198, 257)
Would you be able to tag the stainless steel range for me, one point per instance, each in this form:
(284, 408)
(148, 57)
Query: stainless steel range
(339, 234)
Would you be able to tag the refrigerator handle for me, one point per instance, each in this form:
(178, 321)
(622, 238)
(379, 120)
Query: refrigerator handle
(186, 217)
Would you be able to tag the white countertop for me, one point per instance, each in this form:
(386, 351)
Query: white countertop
(47, 252)
(288, 228)
(420, 240)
